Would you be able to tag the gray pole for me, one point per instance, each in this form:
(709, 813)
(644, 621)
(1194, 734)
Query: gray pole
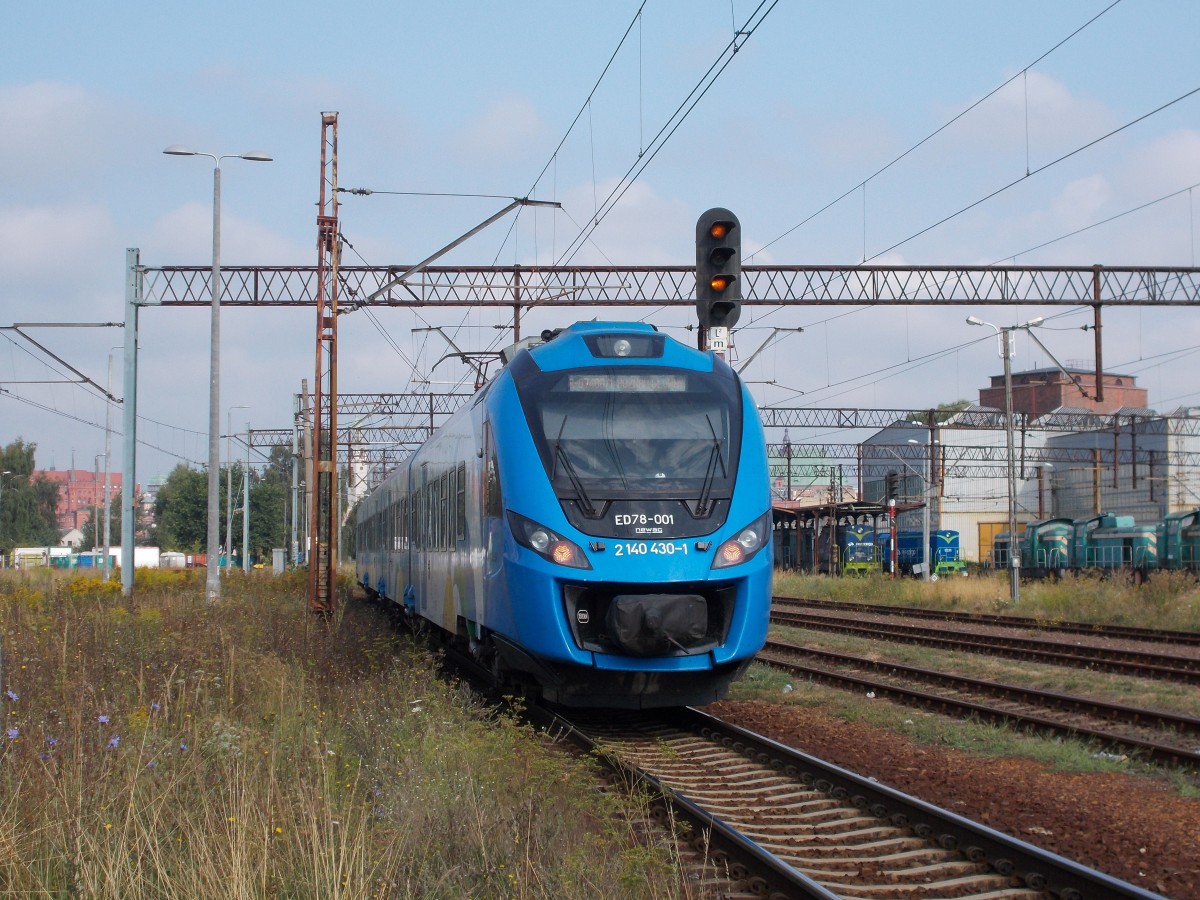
(1014, 547)
(294, 546)
(246, 506)
(213, 538)
(228, 545)
(133, 296)
(925, 574)
(212, 583)
(107, 467)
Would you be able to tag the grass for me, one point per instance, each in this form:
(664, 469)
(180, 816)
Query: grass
(175, 749)
(1169, 600)
(1063, 754)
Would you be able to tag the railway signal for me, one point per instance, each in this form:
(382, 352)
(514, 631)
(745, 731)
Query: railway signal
(718, 268)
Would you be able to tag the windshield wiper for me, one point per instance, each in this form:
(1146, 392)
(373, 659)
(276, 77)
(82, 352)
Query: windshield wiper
(702, 505)
(585, 501)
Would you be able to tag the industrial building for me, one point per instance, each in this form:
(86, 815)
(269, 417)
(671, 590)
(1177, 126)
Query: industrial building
(1071, 459)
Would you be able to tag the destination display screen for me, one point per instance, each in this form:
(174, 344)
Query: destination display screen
(627, 382)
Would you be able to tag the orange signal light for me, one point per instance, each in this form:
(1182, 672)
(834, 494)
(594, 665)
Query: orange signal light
(719, 282)
(719, 229)
(562, 554)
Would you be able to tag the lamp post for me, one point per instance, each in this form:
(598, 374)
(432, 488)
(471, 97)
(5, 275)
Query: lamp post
(1006, 347)
(213, 541)
(246, 507)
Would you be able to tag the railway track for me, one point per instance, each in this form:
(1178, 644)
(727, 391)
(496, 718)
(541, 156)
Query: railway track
(1162, 737)
(1142, 664)
(1118, 632)
(780, 823)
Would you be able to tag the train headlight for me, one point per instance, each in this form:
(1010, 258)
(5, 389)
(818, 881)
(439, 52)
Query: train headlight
(745, 544)
(546, 543)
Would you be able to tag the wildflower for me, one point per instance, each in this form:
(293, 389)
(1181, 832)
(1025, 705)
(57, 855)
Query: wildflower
(102, 719)
(154, 707)
(51, 742)
(13, 733)
(12, 695)
(43, 756)
(183, 746)
(152, 764)
(114, 741)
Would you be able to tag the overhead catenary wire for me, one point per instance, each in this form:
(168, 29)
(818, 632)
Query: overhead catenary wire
(862, 184)
(674, 121)
(1038, 171)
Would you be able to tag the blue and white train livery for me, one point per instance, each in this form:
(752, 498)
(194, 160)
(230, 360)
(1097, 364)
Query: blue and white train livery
(593, 525)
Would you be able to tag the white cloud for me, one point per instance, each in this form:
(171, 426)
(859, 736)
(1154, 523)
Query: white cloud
(508, 128)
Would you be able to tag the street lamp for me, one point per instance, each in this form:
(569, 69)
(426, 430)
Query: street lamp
(246, 506)
(213, 541)
(1006, 347)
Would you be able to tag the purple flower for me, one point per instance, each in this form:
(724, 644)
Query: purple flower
(12, 695)
(13, 733)
(154, 707)
(102, 719)
(114, 741)
(52, 742)
(43, 756)
(151, 764)
(183, 746)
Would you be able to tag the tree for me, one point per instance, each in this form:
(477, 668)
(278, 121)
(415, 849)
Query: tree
(270, 503)
(181, 508)
(941, 413)
(93, 535)
(28, 505)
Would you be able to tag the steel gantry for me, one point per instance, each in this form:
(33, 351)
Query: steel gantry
(526, 286)
(519, 288)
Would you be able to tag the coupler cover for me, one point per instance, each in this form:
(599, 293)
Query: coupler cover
(653, 624)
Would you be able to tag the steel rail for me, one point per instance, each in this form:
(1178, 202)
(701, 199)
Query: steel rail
(1019, 866)
(1149, 749)
(1124, 632)
(1165, 668)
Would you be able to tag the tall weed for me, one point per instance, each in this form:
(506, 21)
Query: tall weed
(170, 748)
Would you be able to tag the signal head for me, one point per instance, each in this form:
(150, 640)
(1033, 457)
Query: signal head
(718, 268)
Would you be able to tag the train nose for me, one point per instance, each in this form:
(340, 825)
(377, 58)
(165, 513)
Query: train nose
(650, 624)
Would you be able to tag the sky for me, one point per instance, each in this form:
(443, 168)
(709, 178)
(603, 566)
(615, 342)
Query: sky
(839, 133)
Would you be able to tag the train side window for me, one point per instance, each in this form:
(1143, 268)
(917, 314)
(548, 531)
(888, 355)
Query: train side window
(444, 512)
(493, 506)
(431, 514)
(418, 510)
(460, 505)
(451, 508)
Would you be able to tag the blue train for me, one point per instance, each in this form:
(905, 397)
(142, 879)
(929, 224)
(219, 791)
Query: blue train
(945, 555)
(1049, 547)
(594, 526)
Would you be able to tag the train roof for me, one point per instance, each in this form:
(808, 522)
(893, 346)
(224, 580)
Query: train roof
(611, 343)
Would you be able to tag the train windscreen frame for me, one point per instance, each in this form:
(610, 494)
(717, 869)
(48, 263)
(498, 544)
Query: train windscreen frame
(635, 432)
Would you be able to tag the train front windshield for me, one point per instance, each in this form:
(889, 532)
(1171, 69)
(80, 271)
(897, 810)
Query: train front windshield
(635, 433)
